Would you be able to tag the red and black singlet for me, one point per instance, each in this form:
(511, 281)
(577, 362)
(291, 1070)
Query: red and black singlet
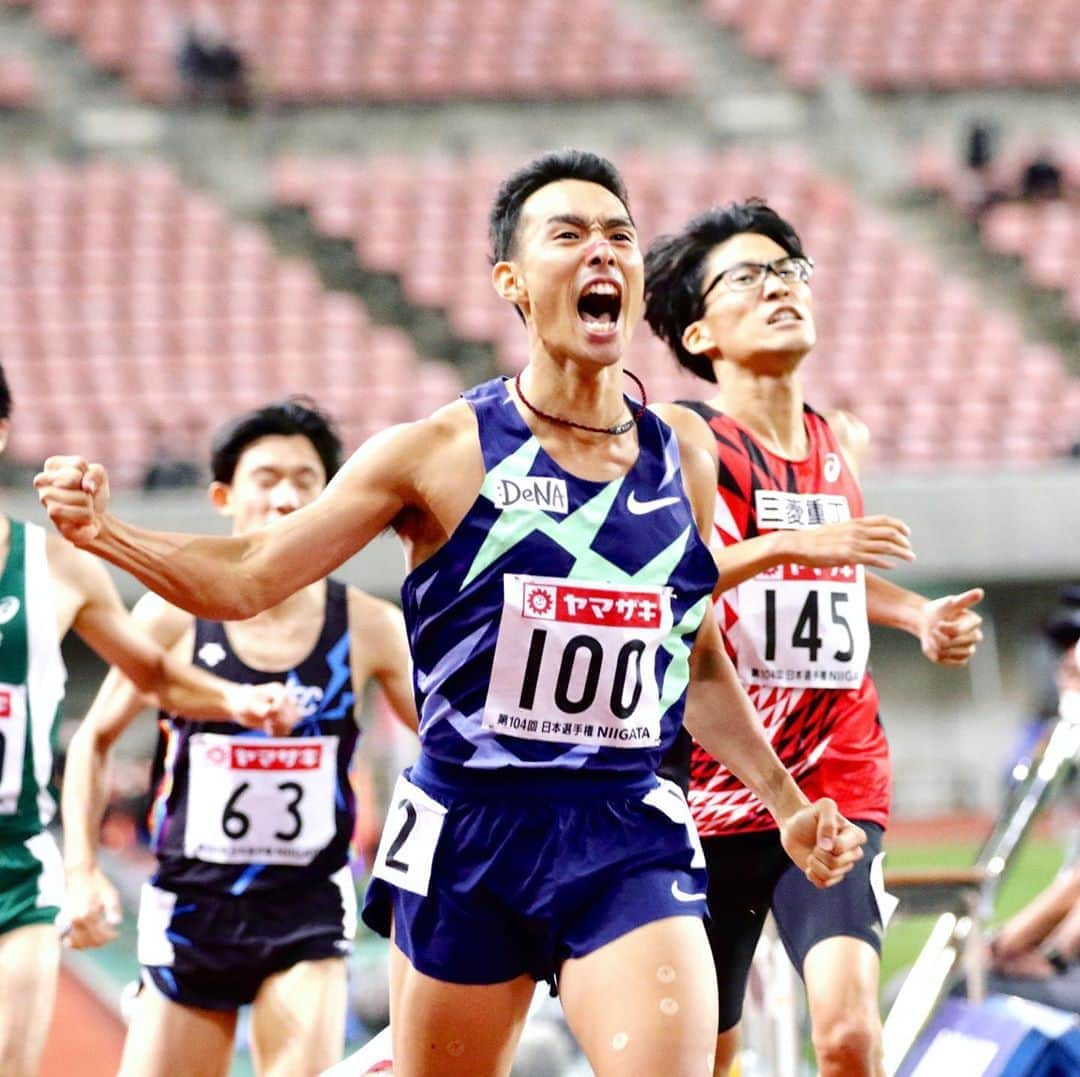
(798, 636)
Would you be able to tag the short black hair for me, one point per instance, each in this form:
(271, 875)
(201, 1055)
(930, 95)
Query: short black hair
(296, 415)
(675, 265)
(1062, 628)
(5, 396)
(551, 167)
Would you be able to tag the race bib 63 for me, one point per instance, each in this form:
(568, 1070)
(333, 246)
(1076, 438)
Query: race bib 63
(264, 800)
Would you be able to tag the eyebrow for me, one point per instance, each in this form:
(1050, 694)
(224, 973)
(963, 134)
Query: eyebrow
(580, 222)
(278, 469)
(738, 265)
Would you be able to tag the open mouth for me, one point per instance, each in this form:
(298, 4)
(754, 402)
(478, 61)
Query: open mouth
(599, 306)
(784, 314)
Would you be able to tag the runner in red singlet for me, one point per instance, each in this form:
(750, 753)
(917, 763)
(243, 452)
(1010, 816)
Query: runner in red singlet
(730, 295)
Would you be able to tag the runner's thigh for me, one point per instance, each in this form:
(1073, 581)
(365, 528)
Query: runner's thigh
(165, 1039)
(30, 961)
(298, 1020)
(454, 1030)
(646, 1002)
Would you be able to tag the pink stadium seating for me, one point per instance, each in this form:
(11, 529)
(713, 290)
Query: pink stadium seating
(133, 312)
(17, 85)
(900, 343)
(911, 45)
(1044, 235)
(312, 51)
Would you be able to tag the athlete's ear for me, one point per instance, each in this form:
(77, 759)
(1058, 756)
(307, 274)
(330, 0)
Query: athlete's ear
(697, 339)
(220, 494)
(5, 430)
(507, 282)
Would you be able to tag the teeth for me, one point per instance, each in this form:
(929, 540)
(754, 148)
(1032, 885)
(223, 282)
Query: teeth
(601, 287)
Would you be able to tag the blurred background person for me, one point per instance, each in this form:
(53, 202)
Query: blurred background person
(211, 69)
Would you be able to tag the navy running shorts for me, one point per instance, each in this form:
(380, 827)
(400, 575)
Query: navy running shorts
(519, 872)
(213, 951)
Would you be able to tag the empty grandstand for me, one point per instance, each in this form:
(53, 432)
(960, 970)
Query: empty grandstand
(209, 204)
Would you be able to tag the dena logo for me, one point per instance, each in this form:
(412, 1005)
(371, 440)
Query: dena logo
(531, 492)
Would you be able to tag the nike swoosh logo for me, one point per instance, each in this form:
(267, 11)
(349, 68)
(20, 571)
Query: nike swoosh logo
(682, 895)
(642, 508)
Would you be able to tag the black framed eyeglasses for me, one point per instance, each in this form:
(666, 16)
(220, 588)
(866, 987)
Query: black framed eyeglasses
(745, 276)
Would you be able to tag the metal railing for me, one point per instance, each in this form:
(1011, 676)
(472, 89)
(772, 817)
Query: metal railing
(964, 898)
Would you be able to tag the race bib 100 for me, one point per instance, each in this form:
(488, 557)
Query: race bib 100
(260, 800)
(575, 663)
(12, 745)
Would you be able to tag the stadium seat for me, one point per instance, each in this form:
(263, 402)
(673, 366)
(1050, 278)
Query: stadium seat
(322, 51)
(896, 333)
(885, 46)
(117, 280)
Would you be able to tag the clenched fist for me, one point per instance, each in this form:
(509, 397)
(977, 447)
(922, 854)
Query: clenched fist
(93, 907)
(75, 495)
(822, 842)
(949, 629)
(268, 707)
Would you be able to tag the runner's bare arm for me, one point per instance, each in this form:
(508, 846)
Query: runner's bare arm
(378, 632)
(878, 541)
(947, 628)
(107, 628)
(93, 903)
(232, 578)
(722, 720)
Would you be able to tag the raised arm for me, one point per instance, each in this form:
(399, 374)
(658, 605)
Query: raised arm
(107, 628)
(232, 578)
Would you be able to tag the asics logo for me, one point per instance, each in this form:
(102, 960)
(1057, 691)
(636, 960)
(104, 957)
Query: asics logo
(681, 895)
(643, 508)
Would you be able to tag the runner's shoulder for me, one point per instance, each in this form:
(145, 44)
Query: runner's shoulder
(690, 428)
(852, 434)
